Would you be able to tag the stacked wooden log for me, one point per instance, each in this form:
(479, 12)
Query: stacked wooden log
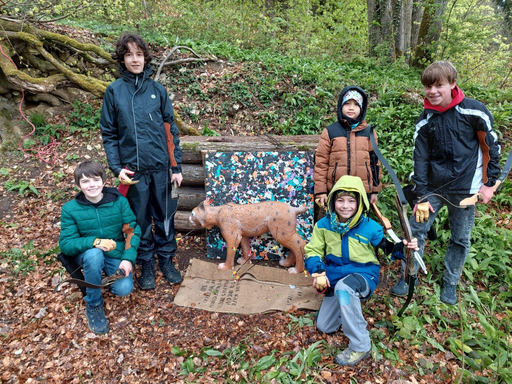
(192, 191)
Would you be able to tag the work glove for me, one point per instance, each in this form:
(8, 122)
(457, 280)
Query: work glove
(108, 244)
(422, 211)
(127, 181)
(321, 281)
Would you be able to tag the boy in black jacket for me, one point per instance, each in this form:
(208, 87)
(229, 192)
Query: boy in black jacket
(141, 142)
(456, 154)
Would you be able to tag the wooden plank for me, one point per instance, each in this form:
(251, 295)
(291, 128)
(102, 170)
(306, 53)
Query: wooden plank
(190, 197)
(193, 145)
(193, 175)
(182, 225)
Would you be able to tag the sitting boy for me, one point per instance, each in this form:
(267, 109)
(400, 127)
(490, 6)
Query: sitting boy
(342, 260)
(100, 231)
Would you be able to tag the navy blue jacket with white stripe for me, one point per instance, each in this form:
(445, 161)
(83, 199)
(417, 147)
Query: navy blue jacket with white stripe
(455, 151)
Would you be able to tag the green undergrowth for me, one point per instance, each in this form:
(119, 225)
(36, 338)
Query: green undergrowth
(298, 95)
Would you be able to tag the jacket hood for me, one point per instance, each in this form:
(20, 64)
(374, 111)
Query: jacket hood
(350, 184)
(361, 116)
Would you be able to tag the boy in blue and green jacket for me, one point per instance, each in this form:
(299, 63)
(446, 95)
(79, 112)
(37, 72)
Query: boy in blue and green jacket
(343, 262)
(99, 229)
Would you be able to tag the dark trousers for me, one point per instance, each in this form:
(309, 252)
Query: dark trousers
(150, 200)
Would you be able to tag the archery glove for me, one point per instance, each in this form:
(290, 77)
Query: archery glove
(422, 212)
(108, 244)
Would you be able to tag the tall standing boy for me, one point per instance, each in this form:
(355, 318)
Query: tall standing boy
(456, 154)
(99, 230)
(142, 147)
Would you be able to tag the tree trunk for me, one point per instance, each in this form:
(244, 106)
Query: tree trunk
(429, 32)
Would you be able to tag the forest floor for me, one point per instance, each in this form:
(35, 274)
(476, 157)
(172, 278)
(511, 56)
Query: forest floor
(44, 335)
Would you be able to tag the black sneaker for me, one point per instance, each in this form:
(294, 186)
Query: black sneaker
(449, 294)
(96, 319)
(147, 276)
(170, 272)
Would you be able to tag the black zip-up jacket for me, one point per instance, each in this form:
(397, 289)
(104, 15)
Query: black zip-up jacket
(135, 108)
(455, 152)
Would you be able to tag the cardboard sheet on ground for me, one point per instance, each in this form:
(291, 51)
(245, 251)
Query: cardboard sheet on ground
(261, 289)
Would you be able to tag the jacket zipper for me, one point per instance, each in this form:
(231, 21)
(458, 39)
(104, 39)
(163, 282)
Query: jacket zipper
(134, 121)
(99, 222)
(348, 153)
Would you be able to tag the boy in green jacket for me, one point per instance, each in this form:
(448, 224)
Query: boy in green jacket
(99, 229)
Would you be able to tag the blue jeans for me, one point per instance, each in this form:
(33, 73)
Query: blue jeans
(461, 225)
(94, 262)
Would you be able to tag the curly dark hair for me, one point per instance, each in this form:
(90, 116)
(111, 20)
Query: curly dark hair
(122, 47)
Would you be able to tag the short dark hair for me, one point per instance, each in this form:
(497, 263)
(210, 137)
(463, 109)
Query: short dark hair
(122, 47)
(437, 71)
(89, 169)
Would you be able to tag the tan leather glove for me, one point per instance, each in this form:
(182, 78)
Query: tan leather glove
(321, 281)
(127, 181)
(422, 212)
(108, 244)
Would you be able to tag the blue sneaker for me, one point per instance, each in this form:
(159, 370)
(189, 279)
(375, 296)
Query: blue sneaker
(97, 319)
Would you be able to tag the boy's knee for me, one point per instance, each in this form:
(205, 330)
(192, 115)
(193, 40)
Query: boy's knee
(123, 287)
(326, 327)
(93, 257)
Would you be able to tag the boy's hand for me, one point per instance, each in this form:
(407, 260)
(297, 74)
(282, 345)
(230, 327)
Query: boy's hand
(320, 281)
(178, 177)
(373, 198)
(487, 193)
(124, 179)
(422, 211)
(106, 245)
(321, 200)
(413, 244)
(126, 266)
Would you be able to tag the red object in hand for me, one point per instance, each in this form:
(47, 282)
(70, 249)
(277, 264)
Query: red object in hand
(123, 189)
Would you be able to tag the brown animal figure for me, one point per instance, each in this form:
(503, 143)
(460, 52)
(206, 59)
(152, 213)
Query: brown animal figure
(239, 222)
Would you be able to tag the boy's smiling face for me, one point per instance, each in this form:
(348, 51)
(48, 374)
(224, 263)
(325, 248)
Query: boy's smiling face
(345, 206)
(440, 93)
(134, 59)
(92, 188)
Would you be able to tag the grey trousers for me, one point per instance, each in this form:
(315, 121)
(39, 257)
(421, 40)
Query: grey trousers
(461, 225)
(342, 307)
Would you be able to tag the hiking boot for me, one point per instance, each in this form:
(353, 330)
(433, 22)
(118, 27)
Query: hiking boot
(401, 288)
(449, 294)
(96, 319)
(170, 272)
(147, 275)
(350, 357)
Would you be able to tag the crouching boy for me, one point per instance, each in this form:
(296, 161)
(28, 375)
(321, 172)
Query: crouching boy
(99, 230)
(342, 259)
